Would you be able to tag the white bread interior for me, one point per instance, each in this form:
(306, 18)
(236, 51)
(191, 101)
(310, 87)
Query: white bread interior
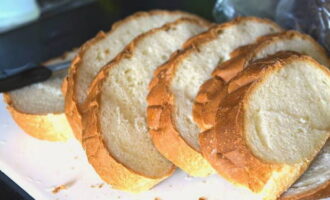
(298, 42)
(197, 67)
(288, 118)
(44, 97)
(39, 108)
(123, 91)
(228, 145)
(104, 50)
(123, 107)
(293, 41)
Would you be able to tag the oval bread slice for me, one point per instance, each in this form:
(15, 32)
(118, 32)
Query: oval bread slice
(115, 135)
(308, 185)
(172, 93)
(39, 108)
(273, 120)
(210, 93)
(97, 52)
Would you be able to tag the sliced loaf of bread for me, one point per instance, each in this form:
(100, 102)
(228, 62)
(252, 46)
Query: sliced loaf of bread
(103, 48)
(176, 83)
(115, 133)
(210, 93)
(39, 108)
(270, 125)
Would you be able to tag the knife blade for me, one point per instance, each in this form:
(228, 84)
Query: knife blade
(15, 78)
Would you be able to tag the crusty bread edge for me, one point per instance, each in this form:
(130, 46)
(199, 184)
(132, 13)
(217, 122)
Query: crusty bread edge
(217, 96)
(165, 135)
(72, 107)
(162, 129)
(260, 81)
(50, 126)
(106, 165)
(232, 163)
(209, 95)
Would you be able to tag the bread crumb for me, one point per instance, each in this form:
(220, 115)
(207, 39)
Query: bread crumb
(63, 187)
(157, 198)
(59, 188)
(202, 198)
(97, 185)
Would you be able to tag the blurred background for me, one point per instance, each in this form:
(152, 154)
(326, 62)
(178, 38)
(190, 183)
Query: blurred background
(36, 30)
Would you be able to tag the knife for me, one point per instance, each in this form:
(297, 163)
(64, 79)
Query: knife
(15, 78)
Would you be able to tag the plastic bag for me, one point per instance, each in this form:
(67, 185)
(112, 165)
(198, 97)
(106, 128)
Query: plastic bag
(308, 16)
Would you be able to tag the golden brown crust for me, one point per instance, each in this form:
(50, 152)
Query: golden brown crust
(108, 168)
(50, 126)
(212, 92)
(209, 95)
(209, 98)
(224, 145)
(105, 164)
(72, 107)
(165, 135)
(69, 86)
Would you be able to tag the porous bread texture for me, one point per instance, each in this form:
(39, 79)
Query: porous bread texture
(97, 52)
(197, 66)
(233, 153)
(115, 134)
(315, 182)
(41, 98)
(175, 85)
(39, 108)
(289, 115)
(210, 93)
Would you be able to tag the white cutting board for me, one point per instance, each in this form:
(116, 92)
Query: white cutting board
(40, 166)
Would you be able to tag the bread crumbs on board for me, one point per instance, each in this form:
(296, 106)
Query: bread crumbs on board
(59, 188)
(97, 185)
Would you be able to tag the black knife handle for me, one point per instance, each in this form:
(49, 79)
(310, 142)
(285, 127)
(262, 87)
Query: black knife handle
(24, 78)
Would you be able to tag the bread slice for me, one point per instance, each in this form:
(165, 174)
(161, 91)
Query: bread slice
(209, 95)
(172, 93)
(212, 92)
(103, 48)
(115, 134)
(273, 120)
(39, 108)
(315, 182)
